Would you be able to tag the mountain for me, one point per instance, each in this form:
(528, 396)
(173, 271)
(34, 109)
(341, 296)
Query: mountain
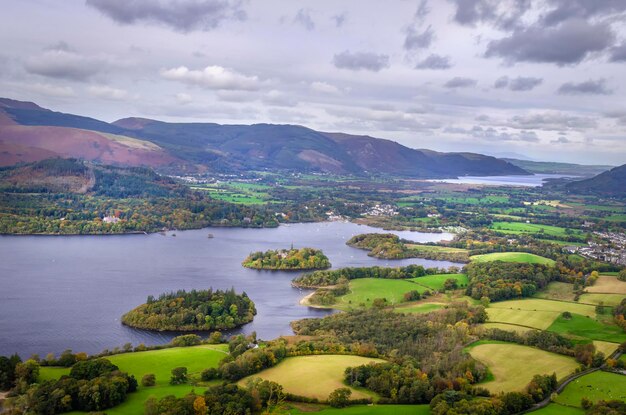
(610, 183)
(548, 167)
(29, 133)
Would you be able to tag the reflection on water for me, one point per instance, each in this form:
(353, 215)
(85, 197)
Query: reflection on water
(534, 180)
(68, 292)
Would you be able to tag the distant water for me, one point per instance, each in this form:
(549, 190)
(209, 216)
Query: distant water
(68, 292)
(534, 180)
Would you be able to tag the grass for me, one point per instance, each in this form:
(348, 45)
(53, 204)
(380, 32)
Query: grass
(159, 362)
(513, 257)
(419, 308)
(594, 386)
(52, 372)
(513, 366)
(363, 291)
(535, 312)
(607, 285)
(556, 409)
(558, 291)
(521, 228)
(606, 299)
(367, 410)
(584, 327)
(605, 347)
(435, 248)
(314, 376)
(507, 327)
(436, 282)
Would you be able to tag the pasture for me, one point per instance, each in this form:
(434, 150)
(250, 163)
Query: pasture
(513, 366)
(521, 228)
(558, 291)
(314, 376)
(594, 386)
(605, 347)
(605, 299)
(364, 291)
(537, 304)
(512, 257)
(436, 282)
(607, 284)
(419, 308)
(507, 327)
(578, 327)
(535, 312)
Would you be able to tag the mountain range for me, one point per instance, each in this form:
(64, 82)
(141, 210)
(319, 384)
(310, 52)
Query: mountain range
(30, 133)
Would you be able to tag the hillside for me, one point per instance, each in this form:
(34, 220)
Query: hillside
(30, 133)
(610, 183)
(548, 167)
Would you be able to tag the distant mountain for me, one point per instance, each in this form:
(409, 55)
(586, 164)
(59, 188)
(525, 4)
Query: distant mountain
(29, 133)
(548, 167)
(610, 183)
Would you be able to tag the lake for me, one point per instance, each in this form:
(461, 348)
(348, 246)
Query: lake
(68, 292)
(534, 180)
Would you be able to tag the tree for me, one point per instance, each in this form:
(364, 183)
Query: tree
(199, 406)
(450, 284)
(567, 315)
(179, 376)
(339, 398)
(148, 379)
(622, 275)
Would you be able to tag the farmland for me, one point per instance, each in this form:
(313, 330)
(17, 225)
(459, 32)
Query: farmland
(522, 257)
(528, 228)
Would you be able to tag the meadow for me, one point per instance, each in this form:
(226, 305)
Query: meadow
(522, 227)
(558, 291)
(607, 284)
(580, 327)
(605, 299)
(534, 312)
(523, 257)
(436, 282)
(364, 291)
(513, 365)
(594, 386)
(419, 308)
(314, 376)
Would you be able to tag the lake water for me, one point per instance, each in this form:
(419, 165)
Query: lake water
(534, 180)
(68, 292)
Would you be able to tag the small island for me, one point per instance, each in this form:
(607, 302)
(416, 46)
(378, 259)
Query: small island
(288, 260)
(197, 310)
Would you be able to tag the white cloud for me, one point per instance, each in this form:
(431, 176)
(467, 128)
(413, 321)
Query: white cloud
(212, 77)
(51, 90)
(324, 88)
(107, 92)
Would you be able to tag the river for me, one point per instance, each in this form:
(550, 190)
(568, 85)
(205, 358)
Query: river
(68, 292)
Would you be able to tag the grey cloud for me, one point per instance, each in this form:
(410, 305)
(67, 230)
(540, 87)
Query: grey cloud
(589, 87)
(568, 43)
(340, 19)
(62, 62)
(434, 62)
(279, 99)
(422, 11)
(561, 140)
(356, 61)
(180, 15)
(551, 122)
(460, 82)
(618, 53)
(501, 82)
(524, 84)
(504, 14)
(418, 40)
(584, 9)
(304, 18)
(492, 134)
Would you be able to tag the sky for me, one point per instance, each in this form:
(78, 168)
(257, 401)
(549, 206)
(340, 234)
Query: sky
(539, 79)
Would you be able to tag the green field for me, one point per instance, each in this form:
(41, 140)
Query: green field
(513, 366)
(534, 312)
(436, 282)
(521, 227)
(435, 248)
(507, 327)
(159, 362)
(363, 291)
(558, 291)
(585, 327)
(419, 308)
(606, 299)
(594, 386)
(368, 410)
(314, 376)
(513, 257)
(556, 409)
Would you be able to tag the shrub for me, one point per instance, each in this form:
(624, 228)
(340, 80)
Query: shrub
(179, 376)
(339, 398)
(148, 379)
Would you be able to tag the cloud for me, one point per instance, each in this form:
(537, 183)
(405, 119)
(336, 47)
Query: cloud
(618, 53)
(340, 19)
(107, 92)
(303, 17)
(589, 87)
(583, 9)
(501, 82)
(212, 77)
(235, 95)
(62, 62)
(504, 14)
(356, 61)
(51, 90)
(324, 88)
(551, 121)
(524, 83)
(180, 15)
(184, 98)
(560, 140)
(460, 82)
(492, 134)
(279, 99)
(418, 39)
(566, 44)
(434, 61)
(422, 11)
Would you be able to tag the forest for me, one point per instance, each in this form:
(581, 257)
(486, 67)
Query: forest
(193, 310)
(288, 259)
